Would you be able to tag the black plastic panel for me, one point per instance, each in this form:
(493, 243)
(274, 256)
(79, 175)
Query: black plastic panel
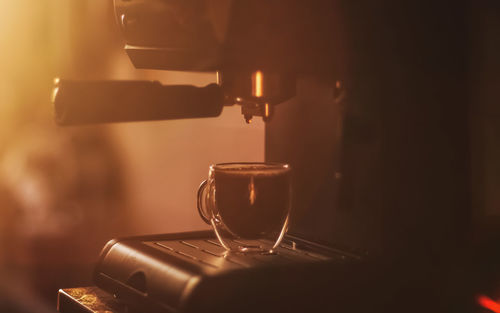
(191, 272)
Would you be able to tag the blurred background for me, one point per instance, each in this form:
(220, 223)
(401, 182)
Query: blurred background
(65, 191)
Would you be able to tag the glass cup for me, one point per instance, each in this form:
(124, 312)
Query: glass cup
(247, 204)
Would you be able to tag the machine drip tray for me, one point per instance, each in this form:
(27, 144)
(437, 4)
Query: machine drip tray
(210, 253)
(192, 272)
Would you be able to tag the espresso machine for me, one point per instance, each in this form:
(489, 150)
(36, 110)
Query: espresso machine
(369, 102)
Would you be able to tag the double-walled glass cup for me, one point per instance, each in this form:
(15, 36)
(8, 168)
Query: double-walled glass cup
(247, 204)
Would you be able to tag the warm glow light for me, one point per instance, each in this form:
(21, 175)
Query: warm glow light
(251, 191)
(257, 80)
(489, 304)
(54, 94)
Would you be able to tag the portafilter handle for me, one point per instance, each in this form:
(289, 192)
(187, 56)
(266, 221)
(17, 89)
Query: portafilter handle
(91, 102)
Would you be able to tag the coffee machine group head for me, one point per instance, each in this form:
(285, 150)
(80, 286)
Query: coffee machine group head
(256, 49)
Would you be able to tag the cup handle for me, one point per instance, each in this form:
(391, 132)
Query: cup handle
(202, 202)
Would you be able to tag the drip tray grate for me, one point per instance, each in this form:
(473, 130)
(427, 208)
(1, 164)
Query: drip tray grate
(210, 253)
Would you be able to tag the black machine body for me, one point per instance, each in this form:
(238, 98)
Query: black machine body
(192, 272)
(370, 103)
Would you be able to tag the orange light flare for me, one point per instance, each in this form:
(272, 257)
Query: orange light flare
(488, 303)
(266, 110)
(257, 84)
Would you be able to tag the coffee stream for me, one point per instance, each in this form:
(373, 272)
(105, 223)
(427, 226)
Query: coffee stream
(252, 204)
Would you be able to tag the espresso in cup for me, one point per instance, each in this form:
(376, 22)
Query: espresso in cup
(247, 201)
